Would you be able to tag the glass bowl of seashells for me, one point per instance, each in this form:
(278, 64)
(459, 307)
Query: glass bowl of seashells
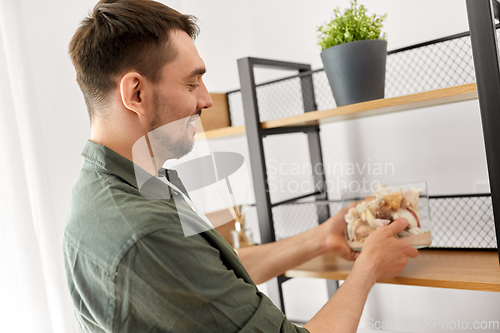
(368, 209)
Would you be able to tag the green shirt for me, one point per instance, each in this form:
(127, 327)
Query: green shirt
(130, 268)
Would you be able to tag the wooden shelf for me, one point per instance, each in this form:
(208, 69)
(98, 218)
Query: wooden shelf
(365, 109)
(222, 132)
(455, 269)
(380, 106)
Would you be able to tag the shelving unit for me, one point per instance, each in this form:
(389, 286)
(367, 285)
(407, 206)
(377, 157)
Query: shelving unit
(458, 269)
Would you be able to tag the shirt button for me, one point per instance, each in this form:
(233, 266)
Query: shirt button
(175, 192)
(193, 209)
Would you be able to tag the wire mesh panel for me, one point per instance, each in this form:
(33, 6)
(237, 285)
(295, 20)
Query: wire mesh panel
(290, 220)
(235, 103)
(428, 66)
(463, 222)
(457, 222)
(280, 99)
(322, 91)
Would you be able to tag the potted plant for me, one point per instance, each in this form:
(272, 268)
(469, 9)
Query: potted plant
(354, 53)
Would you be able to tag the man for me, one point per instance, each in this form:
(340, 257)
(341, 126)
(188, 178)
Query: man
(129, 266)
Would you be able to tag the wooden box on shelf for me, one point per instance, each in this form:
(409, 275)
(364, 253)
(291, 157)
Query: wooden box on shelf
(216, 116)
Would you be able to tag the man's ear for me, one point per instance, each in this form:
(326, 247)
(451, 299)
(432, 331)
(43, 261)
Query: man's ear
(131, 92)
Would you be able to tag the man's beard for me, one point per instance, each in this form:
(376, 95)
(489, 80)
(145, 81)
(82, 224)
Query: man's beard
(160, 134)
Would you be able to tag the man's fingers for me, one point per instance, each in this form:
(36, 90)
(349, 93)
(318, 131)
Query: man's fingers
(412, 252)
(347, 253)
(397, 226)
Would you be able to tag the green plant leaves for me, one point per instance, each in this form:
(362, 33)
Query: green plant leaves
(351, 26)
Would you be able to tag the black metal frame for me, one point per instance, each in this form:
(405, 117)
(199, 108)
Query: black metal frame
(255, 134)
(481, 15)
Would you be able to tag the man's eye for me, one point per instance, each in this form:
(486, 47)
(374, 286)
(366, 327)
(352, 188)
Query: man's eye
(193, 86)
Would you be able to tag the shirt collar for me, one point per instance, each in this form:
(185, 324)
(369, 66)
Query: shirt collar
(118, 165)
(111, 161)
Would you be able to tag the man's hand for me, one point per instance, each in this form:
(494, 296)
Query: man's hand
(383, 255)
(335, 239)
(269, 260)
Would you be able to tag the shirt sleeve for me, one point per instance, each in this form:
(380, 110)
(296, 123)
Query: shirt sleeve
(170, 283)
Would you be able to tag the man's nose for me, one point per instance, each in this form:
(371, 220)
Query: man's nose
(205, 100)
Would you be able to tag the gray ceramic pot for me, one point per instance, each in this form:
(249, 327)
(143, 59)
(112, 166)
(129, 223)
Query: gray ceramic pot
(356, 70)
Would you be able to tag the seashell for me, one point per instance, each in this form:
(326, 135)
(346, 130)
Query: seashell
(350, 232)
(363, 231)
(354, 212)
(393, 200)
(415, 231)
(412, 196)
(370, 219)
(382, 222)
(349, 218)
(359, 222)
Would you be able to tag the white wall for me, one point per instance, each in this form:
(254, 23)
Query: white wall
(286, 30)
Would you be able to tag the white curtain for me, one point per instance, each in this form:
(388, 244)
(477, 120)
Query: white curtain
(43, 129)
(33, 293)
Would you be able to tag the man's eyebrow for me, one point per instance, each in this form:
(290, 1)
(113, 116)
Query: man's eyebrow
(197, 72)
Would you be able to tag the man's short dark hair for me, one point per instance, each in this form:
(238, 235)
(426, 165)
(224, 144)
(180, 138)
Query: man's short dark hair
(123, 35)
